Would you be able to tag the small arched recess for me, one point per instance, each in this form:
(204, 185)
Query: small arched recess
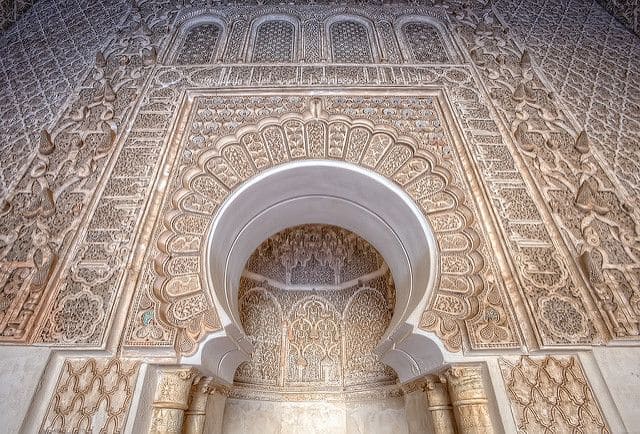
(426, 40)
(198, 41)
(274, 39)
(351, 39)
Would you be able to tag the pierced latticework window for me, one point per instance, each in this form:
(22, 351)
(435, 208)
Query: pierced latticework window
(350, 42)
(199, 45)
(274, 42)
(425, 43)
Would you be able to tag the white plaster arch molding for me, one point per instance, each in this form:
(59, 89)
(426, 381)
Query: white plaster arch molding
(327, 192)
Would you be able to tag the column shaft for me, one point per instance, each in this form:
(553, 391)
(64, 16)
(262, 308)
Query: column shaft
(466, 391)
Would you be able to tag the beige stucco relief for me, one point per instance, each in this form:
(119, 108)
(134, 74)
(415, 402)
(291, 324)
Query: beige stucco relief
(58, 192)
(300, 136)
(551, 393)
(529, 223)
(92, 395)
(609, 266)
(595, 219)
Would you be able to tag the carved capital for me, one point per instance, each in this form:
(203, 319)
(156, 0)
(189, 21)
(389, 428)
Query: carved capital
(171, 399)
(439, 405)
(173, 388)
(466, 391)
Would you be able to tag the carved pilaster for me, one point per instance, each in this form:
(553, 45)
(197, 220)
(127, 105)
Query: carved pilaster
(195, 415)
(439, 405)
(466, 391)
(171, 399)
(215, 408)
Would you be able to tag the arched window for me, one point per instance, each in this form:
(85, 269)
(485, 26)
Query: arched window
(350, 42)
(274, 42)
(199, 45)
(425, 43)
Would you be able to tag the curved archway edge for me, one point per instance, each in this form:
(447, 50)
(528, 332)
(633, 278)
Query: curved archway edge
(328, 192)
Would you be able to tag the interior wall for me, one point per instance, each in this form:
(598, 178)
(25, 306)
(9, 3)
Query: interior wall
(380, 416)
(96, 133)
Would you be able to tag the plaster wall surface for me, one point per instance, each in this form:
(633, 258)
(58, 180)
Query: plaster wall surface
(520, 144)
(620, 368)
(20, 371)
(593, 63)
(267, 417)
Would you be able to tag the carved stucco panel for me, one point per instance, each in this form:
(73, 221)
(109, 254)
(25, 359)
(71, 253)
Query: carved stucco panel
(41, 216)
(92, 395)
(551, 394)
(610, 266)
(221, 170)
(600, 226)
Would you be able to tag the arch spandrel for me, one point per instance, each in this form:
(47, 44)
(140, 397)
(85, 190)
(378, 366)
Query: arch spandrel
(271, 143)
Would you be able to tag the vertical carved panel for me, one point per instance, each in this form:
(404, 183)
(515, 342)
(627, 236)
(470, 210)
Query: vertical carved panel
(236, 40)
(92, 395)
(390, 48)
(312, 38)
(314, 343)
(262, 320)
(367, 313)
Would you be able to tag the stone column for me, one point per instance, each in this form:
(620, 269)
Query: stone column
(466, 391)
(195, 415)
(439, 405)
(215, 408)
(171, 399)
(415, 401)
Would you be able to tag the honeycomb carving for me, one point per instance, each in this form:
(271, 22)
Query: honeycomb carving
(315, 300)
